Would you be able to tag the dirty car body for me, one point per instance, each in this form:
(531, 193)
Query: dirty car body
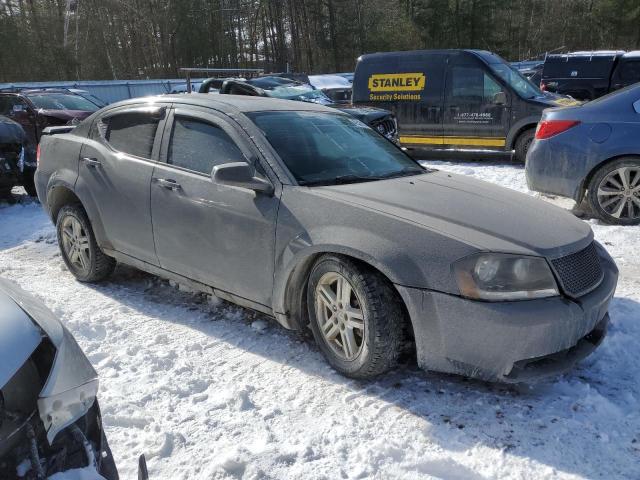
(493, 284)
(49, 414)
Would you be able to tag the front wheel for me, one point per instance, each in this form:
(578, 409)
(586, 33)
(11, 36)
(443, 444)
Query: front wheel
(614, 192)
(79, 248)
(355, 316)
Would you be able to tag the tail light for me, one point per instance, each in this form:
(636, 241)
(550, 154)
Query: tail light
(38, 156)
(550, 128)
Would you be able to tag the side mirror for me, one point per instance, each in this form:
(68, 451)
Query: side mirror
(240, 174)
(500, 98)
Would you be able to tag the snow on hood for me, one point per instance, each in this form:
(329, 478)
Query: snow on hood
(329, 81)
(484, 215)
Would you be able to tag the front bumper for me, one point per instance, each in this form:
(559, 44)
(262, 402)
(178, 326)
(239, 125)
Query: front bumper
(508, 341)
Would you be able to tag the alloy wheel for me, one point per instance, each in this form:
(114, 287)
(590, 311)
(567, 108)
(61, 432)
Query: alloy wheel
(76, 244)
(340, 315)
(619, 193)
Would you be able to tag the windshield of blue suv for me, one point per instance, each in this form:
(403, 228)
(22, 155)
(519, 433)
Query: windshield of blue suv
(325, 148)
(61, 101)
(515, 80)
(284, 88)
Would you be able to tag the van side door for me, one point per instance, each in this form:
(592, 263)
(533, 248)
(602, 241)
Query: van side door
(476, 106)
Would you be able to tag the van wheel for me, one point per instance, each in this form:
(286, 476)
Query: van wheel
(355, 316)
(614, 192)
(78, 246)
(523, 143)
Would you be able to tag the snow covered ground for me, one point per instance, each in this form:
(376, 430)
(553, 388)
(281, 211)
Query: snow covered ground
(210, 390)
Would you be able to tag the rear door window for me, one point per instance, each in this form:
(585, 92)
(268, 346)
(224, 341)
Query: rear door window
(131, 132)
(199, 146)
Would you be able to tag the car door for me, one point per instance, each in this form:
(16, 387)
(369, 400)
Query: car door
(476, 111)
(115, 168)
(219, 235)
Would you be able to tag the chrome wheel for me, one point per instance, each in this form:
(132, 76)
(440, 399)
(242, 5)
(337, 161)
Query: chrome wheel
(340, 315)
(75, 243)
(619, 193)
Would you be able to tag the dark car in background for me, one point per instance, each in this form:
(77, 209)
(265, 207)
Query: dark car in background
(36, 110)
(50, 420)
(454, 103)
(335, 86)
(589, 75)
(592, 150)
(383, 121)
(13, 170)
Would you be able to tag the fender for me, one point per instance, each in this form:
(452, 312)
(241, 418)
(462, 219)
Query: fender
(524, 123)
(298, 256)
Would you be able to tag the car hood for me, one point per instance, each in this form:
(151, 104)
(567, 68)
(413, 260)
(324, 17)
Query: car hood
(19, 337)
(478, 213)
(65, 115)
(364, 114)
(555, 100)
(72, 383)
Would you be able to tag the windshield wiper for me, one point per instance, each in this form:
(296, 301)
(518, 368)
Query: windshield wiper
(341, 180)
(350, 178)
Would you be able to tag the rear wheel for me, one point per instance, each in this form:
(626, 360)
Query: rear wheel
(523, 143)
(614, 192)
(355, 316)
(78, 246)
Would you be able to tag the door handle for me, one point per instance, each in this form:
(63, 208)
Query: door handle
(168, 183)
(91, 162)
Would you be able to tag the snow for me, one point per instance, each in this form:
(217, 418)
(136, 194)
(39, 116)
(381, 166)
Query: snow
(209, 390)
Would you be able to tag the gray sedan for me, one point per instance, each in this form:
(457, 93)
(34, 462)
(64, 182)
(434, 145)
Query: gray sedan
(306, 214)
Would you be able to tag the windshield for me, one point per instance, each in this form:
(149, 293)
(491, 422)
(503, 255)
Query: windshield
(325, 148)
(62, 101)
(515, 80)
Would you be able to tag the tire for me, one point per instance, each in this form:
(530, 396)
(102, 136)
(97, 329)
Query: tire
(624, 207)
(86, 262)
(377, 339)
(523, 142)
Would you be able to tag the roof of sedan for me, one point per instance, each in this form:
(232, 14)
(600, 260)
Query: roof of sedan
(232, 103)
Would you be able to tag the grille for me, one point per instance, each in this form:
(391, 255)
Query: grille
(579, 272)
(386, 128)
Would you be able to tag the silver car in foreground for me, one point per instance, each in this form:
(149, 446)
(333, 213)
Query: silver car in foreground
(49, 416)
(306, 214)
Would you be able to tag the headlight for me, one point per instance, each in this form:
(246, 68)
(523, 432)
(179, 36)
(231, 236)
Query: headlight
(497, 276)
